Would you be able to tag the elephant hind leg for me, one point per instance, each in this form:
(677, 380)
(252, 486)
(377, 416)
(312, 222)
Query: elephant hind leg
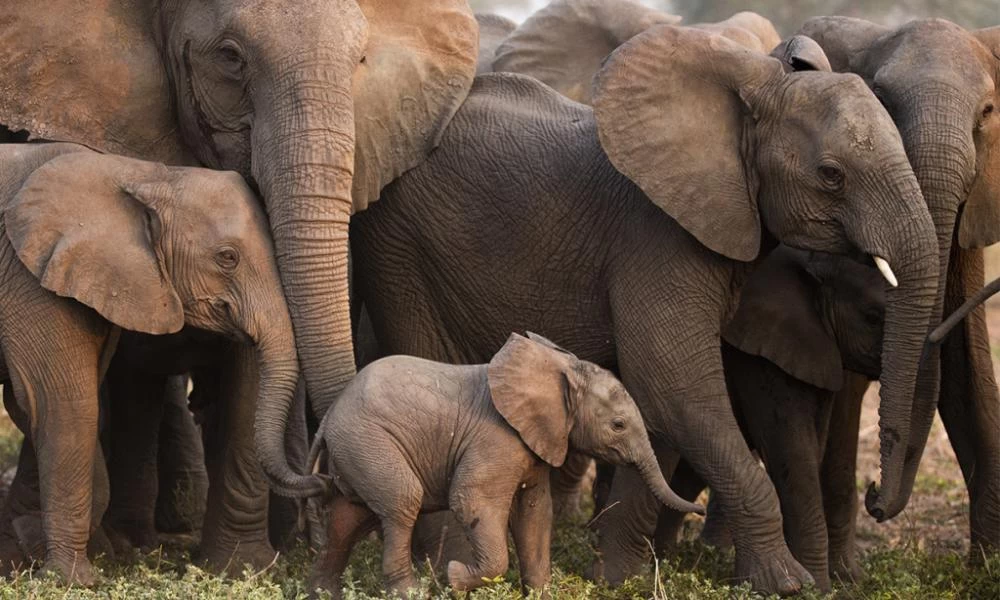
(346, 524)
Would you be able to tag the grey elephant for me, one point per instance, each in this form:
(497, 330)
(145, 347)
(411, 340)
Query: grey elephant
(941, 85)
(493, 29)
(626, 232)
(807, 325)
(318, 102)
(410, 435)
(94, 243)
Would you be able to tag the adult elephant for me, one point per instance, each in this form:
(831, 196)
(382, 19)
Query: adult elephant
(941, 85)
(319, 102)
(609, 232)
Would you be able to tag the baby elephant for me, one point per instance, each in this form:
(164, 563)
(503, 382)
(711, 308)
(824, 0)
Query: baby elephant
(91, 243)
(410, 435)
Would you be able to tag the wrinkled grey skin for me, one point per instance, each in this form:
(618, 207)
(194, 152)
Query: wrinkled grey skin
(823, 314)
(492, 31)
(94, 243)
(410, 435)
(581, 252)
(941, 85)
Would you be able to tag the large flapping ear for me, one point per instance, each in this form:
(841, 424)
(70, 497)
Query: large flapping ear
(493, 30)
(777, 319)
(416, 71)
(843, 39)
(86, 226)
(747, 29)
(530, 383)
(980, 222)
(671, 105)
(563, 44)
(548, 343)
(801, 53)
(87, 72)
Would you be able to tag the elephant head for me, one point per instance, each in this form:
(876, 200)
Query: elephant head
(554, 400)
(812, 315)
(152, 248)
(731, 146)
(941, 85)
(563, 44)
(319, 102)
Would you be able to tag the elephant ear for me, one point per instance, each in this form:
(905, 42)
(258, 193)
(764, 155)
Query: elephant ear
(416, 71)
(980, 222)
(55, 86)
(493, 30)
(777, 319)
(748, 29)
(531, 388)
(87, 226)
(548, 343)
(563, 44)
(843, 39)
(801, 53)
(671, 106)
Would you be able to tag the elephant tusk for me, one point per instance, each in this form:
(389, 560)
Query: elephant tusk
(886, 271)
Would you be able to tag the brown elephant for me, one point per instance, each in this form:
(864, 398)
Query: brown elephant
(319, 103)
(409, 435)
(93, 243)
(941, 85)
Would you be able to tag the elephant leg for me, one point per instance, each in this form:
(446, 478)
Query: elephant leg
(487, 530)
(23, 496)
(60, 395)
(283, 513)
(438, 538)
(784, 429)
(182, 478)
(628, 521)
(235, 528)
(970, 403)
(567, 485)
(531, 528)
(839, 478)
(136, 412)
(688, 485)
(347, 523)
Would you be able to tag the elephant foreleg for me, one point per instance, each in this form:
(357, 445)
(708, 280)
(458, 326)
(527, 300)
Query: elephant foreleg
(23, 496)
(183, 480)
(235, 529)
(689, 486)
(531, 528)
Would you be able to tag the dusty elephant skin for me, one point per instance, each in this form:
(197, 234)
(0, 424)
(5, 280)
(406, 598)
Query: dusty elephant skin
(93, 243)
(319, 102)
(409, 435)
(941, 85)
(558, 240)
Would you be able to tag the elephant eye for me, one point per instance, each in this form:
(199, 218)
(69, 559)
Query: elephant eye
(227, 258)
(230, 59)
(832, 176)
(618, 424)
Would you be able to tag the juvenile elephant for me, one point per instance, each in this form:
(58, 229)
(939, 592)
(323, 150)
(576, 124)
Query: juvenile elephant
(803, 319)
(93, 243)
(941, 85)
(627, 232)
(409, 435)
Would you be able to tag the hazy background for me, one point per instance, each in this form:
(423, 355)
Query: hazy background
(787, 15)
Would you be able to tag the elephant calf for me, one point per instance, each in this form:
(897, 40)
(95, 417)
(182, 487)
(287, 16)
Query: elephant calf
(410, 435)
(91, 243)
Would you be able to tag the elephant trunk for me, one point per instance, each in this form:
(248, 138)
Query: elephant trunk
(907, 243)
(645, 461)
(278, 375)
(303, 161)
(942, 154)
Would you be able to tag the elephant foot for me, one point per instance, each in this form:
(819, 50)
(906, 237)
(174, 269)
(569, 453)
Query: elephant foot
(71, 571)
(846, 569)
(615, 567)
(716, 533)
(30, 536)
(11, 557)
(137, 533)
(231, 560)
(318, 584)
(100, 545)
(460, 577)
(773, 571)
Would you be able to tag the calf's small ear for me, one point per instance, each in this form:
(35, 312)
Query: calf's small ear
(530, 383)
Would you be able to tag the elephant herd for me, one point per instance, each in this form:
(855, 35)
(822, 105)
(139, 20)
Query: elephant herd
(742, 231)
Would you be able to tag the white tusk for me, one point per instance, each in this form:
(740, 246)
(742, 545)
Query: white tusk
(886, 270)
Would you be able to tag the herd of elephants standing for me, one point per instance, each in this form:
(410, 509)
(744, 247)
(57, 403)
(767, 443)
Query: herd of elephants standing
(745, 229)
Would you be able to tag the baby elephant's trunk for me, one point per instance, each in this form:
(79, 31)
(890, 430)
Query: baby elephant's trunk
(650, 471)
